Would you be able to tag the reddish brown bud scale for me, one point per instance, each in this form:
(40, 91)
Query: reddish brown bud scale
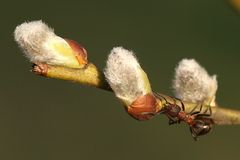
(143, 108)
(79, 51)
(40, 69)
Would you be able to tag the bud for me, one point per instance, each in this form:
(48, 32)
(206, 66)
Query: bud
(41, 45)
(144, 107)
(192, 83)
(130, 83)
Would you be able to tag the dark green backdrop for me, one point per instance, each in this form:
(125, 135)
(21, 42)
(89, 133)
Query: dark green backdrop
(46, 119)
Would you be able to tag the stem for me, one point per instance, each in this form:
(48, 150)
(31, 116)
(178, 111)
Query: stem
(90, 75)
(226, 116)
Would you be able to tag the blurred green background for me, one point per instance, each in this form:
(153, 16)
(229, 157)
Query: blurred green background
(47, 119)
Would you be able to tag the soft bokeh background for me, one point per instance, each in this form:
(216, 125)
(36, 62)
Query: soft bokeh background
(46, 119)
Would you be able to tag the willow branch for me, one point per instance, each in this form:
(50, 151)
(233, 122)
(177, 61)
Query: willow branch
(90, 75)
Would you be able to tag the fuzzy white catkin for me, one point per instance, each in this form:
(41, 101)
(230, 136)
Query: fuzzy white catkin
(38, 42)
(192, 82)
(125, 75)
